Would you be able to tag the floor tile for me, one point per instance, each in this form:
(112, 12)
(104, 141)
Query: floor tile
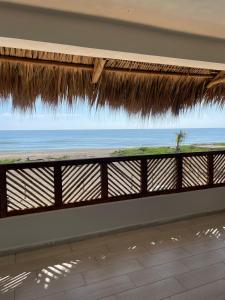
(7, 260)
(204, 246)
(47, 282)
(204, 259)
(121, 255)
(212, 291)
(166, 243)
(112, 270)
(158, 290)
(100, 289)
(11, 281)
(202, 276)
(57, 296)
(157, 273)
(109, 298)
(163, 257)
(42, 253)
(7, 296)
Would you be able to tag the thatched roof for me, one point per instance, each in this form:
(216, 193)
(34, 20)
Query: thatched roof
(140, 88)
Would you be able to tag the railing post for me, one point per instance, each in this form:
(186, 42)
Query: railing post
(179, 163)
(104, 180)
(58, 185)
(144, 176)
(210, 169)
(3, 193)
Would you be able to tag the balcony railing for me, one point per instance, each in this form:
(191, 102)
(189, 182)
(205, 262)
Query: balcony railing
(41, 186)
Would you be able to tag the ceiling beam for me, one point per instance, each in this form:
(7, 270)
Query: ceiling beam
(98, 69)
(48, 63)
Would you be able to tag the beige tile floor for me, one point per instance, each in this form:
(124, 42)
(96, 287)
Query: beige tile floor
(176, 261)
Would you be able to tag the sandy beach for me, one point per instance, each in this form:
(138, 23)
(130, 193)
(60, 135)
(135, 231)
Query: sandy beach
(56, 154)
(72, 154)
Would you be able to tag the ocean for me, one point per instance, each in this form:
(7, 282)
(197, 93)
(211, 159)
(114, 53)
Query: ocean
(45, 140)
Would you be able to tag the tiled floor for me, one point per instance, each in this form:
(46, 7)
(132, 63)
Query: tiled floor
(176, 261)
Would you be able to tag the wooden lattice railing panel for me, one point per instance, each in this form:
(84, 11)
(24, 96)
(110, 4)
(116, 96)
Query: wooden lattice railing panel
(219, 169)
(195, 171)
(30, 188)
(162, 174)
(124, 178)
(40, 186)
(81, 183)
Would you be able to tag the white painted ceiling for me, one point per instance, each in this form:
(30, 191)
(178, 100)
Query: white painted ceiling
(204, 17)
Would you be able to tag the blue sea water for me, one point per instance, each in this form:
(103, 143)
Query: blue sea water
(44, 140)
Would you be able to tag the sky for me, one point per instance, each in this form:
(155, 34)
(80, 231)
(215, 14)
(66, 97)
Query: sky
(81, 117)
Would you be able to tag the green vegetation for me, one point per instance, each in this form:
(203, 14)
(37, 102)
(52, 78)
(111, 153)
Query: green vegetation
(130, 152)
(19, 160)
(215, 144)
(10, 160)
(180, 136)
(161, 150)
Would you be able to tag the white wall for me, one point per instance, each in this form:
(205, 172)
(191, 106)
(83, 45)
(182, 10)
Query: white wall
(38, 229)
(71, 29)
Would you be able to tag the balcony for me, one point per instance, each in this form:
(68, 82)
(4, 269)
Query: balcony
(27, 188)
(181, 260)
(101, 247)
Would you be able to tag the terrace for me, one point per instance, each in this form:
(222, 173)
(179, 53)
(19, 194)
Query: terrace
(181, 260)
(148, 227)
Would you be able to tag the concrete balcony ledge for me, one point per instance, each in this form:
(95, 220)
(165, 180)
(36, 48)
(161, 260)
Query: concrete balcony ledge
(35, 230)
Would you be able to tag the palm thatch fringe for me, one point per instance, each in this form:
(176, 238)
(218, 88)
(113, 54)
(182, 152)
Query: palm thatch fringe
(143, 93)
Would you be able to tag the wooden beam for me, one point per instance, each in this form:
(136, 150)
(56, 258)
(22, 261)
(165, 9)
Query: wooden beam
(98, 68)
(220, 78)
(49, 63)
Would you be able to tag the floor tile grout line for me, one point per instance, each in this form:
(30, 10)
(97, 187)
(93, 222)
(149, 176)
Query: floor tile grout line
(202, 285)
(195, 288)
(135, 286)
(86, 283)
(123, 275)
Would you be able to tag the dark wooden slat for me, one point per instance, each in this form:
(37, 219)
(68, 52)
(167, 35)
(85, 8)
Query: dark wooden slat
(77, 188)
(104, 181)
(80, 174)
(115, 176)
(167, 180)
(194, 171)
(194, 175)
(74, 172)
(144, 177)
(159, 170)
(41, 184)
(210, 170)
(77, 185)
(179, 164)
(17, 186)
(158, 175)
(3, 193)
(120, 168)
(58, 186)
(119, 171)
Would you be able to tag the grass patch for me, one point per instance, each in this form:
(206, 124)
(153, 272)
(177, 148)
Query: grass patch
(27, 160)
(158, 150)
(10, 160)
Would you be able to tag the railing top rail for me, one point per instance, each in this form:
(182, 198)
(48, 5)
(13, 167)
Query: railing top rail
(23, 165)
